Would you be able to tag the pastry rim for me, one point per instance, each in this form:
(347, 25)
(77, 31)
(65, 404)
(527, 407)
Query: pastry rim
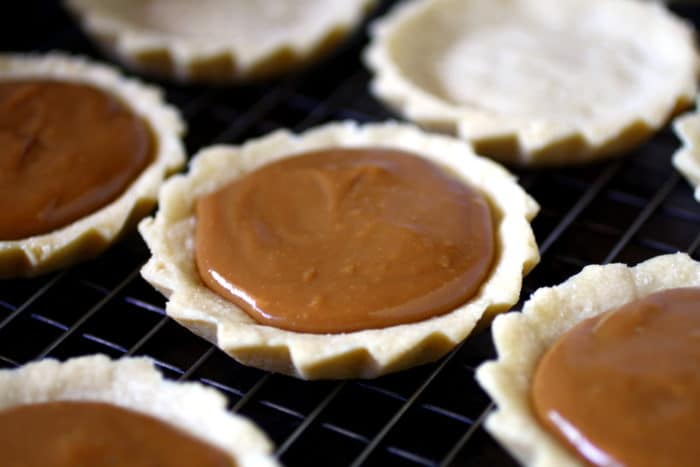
(687, 158)
(542, 144)
(134, 383)
(367, 353)
(163, 55)
(521, 338)
(89, 235)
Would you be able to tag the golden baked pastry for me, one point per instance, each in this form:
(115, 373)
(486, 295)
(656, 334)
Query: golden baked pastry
(522, 339)
(134, 384)
(46, 100)
(536, 82)
(218, 40)
(362, 353)
(687, 158)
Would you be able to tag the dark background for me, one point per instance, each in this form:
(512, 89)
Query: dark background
(627, 209)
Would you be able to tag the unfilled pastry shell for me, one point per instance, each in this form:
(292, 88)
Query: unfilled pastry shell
(536, 82)
(365, 354)
(91, 234)
(134, 383)
(523, 338)
(218, 40)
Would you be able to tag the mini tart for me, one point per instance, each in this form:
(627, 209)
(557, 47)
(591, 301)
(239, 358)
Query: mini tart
(134, 383)
(91, 234)
(367, 353)
(536, 82)
(521, 339)
(687, 158)
(218, 40)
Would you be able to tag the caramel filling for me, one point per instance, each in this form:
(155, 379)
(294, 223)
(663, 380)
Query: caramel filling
(623, 388)
(66, 150)
(95, 434)
(341, 240)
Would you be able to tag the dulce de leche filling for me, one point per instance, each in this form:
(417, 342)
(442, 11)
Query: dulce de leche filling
(341, 240)
(623, 388)
(95, 434)
(66, 150)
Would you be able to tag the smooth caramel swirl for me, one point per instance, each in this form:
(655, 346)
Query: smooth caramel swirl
(96, 434)
(341, 240)
(623, 388)
(66, 150)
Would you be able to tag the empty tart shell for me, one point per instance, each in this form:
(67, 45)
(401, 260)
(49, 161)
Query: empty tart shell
(366, 353)
(218, 40)
(536, 82)
(522, 339)
(89, 235)
(135, 384)
(687, 158)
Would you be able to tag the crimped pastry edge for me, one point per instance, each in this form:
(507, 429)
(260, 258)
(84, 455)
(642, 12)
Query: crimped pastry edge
(135, 384)
(521, 339)
(176, 58)
(687, 158)
(364, 354)
(88, 236)
(519, 141)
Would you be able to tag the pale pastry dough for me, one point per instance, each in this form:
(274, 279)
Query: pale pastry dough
(368, 353)
(134, 383)
(523, 338)
(539, 82)
(218, 40)
(687, 158)
(91, 234)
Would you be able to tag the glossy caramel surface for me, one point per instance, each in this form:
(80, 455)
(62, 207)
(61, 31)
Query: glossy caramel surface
(342, 240)
(623, 388)
(96, 434)
(66, 150)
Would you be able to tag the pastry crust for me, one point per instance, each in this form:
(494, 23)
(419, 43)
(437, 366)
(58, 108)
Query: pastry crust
(367, 353)
(687, 158)
(91, 234)
(134, 383)
(218, 40)
(523, 338)
(536, 82)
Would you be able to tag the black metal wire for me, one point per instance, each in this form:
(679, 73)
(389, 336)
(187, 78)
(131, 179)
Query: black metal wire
(20, 309)
(309, 419)
(432, 415)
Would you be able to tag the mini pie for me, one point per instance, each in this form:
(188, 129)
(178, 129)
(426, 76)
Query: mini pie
(134, 383)
(218, 40)
(687, 158)
(32, 254)
(536, 82)
(364, 353)
(522, 339)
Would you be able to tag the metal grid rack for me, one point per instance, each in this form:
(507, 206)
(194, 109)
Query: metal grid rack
(627, 209)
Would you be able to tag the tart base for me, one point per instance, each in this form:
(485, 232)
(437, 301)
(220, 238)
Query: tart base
(521, 339)
(90, 235)
(363, 354)
(530, 87)
(218, 41)
(687, 158)
(134, 383)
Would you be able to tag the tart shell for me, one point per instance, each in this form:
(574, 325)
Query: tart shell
(687, 158)
(367, 353)
(550, 82)
(221, 41)
(521, 339)
(134, 383)
(88, 236)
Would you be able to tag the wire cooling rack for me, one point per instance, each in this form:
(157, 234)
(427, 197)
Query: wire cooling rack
(627, 209)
